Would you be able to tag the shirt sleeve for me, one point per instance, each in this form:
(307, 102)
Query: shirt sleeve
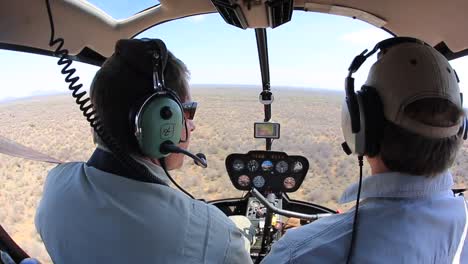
(464, 247)
(323, 241)
(236, 253)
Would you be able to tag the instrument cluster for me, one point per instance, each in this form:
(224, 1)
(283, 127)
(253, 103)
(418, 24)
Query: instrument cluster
(266, 171)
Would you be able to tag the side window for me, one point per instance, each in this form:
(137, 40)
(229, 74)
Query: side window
(460, 167)
(37, 112)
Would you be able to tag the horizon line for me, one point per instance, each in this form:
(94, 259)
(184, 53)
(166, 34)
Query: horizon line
(38, 94)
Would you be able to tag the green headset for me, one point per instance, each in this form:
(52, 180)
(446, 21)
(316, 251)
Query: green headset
(157, 119)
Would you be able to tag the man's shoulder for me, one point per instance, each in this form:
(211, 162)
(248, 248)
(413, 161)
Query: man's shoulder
(63, 174)
(209, 214)
(66, 168)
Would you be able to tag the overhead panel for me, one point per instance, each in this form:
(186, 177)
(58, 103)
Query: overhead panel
(346, 11)
(255, 13)
(24, 23)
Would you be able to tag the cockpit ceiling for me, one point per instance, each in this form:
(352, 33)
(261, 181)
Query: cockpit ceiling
(24, 23)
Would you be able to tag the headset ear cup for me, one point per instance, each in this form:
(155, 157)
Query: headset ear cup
(355, 142)
(373, 112)
(349, 145)
(361, 144)
(464, 129)
(159, 120)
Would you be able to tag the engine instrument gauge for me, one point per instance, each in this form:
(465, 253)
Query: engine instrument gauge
(289, 182)
(282, 166)
(238, 165)
(254, 204)
(252, 165)
(267, 165)
(258, 181)
(243, 180)
(297, 167)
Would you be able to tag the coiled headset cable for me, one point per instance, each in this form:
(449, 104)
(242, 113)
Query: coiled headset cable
(87, 108)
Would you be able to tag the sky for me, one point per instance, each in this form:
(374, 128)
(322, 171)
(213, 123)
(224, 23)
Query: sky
(312, 51)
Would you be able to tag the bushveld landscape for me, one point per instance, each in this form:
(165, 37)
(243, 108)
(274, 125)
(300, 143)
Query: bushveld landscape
(310, 124)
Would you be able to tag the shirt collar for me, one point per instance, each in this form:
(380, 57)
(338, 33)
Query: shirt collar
(398, 185)
(154, 169)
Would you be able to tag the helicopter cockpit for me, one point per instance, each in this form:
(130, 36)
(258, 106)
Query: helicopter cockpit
(269, 181)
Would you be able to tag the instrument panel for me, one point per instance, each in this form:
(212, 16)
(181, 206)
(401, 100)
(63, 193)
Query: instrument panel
(266, 171)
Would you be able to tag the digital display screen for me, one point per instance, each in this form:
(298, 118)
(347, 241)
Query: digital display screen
(267, 130)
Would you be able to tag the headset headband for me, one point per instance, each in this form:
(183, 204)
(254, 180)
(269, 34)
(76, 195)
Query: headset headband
(351, 99)
(159, 58)
(384, 44)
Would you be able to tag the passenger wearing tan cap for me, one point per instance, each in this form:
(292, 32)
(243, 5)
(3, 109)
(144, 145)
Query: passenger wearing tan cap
(409, 122)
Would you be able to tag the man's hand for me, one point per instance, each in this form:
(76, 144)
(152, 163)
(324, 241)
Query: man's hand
(292, 223)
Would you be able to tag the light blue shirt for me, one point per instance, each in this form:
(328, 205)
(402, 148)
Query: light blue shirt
(90, 216)
(402, 219)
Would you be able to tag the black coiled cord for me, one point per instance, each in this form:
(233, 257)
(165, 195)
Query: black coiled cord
(87, 108)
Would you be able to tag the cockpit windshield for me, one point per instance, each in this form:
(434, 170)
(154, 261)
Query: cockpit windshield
(308, 59)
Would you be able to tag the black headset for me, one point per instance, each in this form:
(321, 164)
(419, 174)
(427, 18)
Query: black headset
(362, 117)
(158, 118)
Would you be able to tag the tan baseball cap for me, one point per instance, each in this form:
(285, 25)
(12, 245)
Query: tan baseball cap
(408, 72)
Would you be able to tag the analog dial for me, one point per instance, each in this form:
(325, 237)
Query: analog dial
(258, 181)
(254, 204)
(243, 180)
(238, 165)
(252, 165)
(297, 166)
(289, 182)
(282, 166)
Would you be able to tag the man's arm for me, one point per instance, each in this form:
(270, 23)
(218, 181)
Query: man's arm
(280, 253)
(237, 253)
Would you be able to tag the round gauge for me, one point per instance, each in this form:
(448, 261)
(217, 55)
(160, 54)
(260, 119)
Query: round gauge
(258, 181)
(252, 165)
(243, 180)
(267, 165)
(282, 166)
(238, 165)
(289, 182)
(297, 166)
(254, 204)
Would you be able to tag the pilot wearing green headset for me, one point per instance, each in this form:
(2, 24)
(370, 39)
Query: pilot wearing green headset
(102, 211)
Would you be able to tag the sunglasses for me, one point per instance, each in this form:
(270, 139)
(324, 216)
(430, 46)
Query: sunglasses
(189, 109)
